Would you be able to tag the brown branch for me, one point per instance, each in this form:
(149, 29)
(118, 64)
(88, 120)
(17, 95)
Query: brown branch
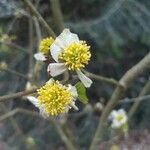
(126, 81)
(136, 99)
(15, 46)
(63, 136)
(145, 91)
(16, 95)
(39, 17)
(57, 14)
(101, 78)
(13, 121)
(38, 30)
(17, 110)
(14, 72)
(31, 48)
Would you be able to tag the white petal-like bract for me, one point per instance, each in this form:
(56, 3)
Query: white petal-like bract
(61, 42)
(55, 69)
(39, 56)
(69, 37)
(33, 100)
(74, 106)
(84, 79)
(73, 90)
(43, 113)
(55, 50)
(66, 38)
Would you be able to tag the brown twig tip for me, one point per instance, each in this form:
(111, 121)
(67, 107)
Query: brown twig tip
(16, 95)
(102, 78)
(39, 17)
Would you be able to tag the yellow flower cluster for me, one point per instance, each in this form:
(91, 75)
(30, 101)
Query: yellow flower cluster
(54, 98)
(76, 55)
(120, 117)
(45, 44)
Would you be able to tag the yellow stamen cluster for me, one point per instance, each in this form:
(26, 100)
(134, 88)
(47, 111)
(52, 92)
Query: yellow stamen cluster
(45, 44)
(76, 55)
(54, 98)
(119, 118)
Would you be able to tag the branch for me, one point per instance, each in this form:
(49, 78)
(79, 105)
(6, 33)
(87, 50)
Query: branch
(136, 99)
(40, 18)
(31, 48)
(38, 30)
(35, 114)
(15, 46)
(101, 78)
(14, 72)
(63, 136)
(126, 81)
(57, 14)
(12, 120)
(16, 95)
(145, 91)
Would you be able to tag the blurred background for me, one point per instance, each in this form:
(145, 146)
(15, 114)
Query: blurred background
(119, 34)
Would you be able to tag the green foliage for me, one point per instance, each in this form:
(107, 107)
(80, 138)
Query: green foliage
(81, 90)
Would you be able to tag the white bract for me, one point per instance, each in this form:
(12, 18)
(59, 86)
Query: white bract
(40, 56)
(118, 118)
(44, 45)
(61, 43)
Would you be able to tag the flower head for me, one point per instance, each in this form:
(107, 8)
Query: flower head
(118, 118)
(54, 98)
(76, 55)
(70, 53)
(44, 48)
(45, 44)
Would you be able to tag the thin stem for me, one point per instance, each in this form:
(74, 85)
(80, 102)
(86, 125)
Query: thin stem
(35, 114)
(37, 66)
(136, 99)
(39, 17)
(126, 81)
(37, 29)
(57, 14)
(63, 136)
(17, 110)
(9, 115)
(145, 91)
(13, 121)
(16, 95)
(102, 78)
(15, 46)
(30, 48)
(14, 72)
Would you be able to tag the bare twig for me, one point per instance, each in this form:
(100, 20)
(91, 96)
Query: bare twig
(145, 91)
(39, 17)
(101, 78)
(63, 136)
(30, 48)
(136, 99)
(17, 110)
(37, 29)
(15, 46)
(13, 121)
(14, 72)
(126, 81)
(35, 114)
(57, 13)
(16, 95)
